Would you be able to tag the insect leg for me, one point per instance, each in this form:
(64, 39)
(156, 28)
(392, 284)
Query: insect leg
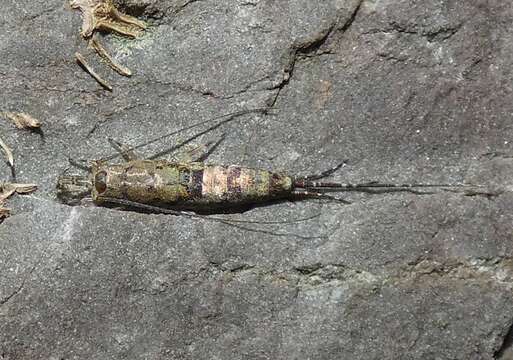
(323, 174)
(198, 153)
(182, 143)
(239, 224)
(221, 120)
(125, 151)
(209, 148)
(80, 164)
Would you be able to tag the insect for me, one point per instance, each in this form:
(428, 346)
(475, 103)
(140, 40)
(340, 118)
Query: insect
(179, 187)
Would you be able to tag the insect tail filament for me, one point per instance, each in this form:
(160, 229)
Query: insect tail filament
(374, 186)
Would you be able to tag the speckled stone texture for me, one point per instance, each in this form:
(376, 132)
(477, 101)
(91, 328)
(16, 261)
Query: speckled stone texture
(403, 90)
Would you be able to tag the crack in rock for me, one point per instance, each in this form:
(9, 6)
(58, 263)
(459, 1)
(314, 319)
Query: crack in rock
(498, 271)
(310, 48)
(441, 33)
(19, 289)
(505, 350)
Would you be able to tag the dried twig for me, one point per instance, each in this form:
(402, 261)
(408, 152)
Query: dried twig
(82, 61)
(22, 120)
(8, 153)
(100, 50)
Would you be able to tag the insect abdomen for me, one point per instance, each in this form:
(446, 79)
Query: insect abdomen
(187, 186)
(235, 184)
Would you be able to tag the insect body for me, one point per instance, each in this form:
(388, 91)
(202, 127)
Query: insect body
(171, 187)
(188, 186)
(199, 187)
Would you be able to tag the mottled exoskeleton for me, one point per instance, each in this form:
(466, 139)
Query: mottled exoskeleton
(185, 186)
(158, 185)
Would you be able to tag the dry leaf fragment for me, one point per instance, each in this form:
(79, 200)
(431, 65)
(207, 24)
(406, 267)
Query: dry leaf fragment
(8, 153)
(4, 212)
(22, 120)
(6, 193)
(7, 189)
(23, 188)
(102, 15)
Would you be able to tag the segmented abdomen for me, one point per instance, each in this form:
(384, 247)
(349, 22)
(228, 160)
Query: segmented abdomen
(235, 184)
(187, 185)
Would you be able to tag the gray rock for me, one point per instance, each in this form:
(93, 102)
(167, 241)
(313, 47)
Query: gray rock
(406, 91)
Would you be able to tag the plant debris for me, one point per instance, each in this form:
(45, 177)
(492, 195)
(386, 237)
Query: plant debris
(82, 61)
(8, 153)
(8, 189)
(102, 15)
(22, 120)
(100, 50)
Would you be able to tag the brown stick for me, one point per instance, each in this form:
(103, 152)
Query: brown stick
(8, 153)
(81, 60)
(100, 50)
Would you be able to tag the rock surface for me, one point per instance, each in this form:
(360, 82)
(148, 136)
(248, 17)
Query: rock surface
(404, 90)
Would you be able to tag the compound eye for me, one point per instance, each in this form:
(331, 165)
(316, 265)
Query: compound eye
(100, 182)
